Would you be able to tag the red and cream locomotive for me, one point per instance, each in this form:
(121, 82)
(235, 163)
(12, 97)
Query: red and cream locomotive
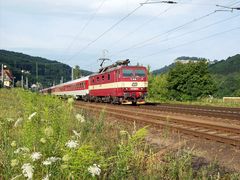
(117, 83)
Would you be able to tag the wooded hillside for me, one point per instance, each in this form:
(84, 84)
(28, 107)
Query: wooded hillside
(42, 70)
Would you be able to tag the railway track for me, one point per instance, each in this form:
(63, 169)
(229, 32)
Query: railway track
(216, 112)
(221, 132)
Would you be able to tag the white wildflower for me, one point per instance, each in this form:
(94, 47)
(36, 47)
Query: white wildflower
(36, 155)
(64, 166)
(21, 150)
(94, 170)
(43, 120)
(66, 158)
(76, 133)
(72, 144)
(50, 160)
(48, 131)
(16, 177)
(47, 162)
(14, 162)
(80, 118)
(13, 144)
(70, 101)
(18, 122)
(10, 119)
(27, 170)
(42, 140)
(46, 177)
(32, 115)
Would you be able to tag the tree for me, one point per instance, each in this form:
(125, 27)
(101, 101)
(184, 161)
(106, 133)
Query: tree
(76, 72)
(158, 87)
(190, 81)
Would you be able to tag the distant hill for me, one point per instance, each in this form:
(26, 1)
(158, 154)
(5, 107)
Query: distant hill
(162, 70)
(228, 66)
(42, 70)
(191, 58)
(227, 76)
(181, 59)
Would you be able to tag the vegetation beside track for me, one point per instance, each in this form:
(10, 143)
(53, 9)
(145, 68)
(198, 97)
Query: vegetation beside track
(215, 102)
(44, 137)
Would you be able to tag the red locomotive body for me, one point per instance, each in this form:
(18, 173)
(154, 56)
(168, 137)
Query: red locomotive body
(120, 84)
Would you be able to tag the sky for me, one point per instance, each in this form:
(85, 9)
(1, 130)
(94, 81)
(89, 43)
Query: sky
(79, 32)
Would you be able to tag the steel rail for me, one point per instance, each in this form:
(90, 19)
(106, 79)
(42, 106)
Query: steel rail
(191, 128)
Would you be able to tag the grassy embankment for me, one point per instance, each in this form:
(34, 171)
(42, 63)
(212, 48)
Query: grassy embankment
(44, 137)
(201, 102)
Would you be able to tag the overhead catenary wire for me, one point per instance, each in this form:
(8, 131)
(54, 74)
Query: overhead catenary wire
(134, 46)
(193, 31)
(85, 25)
(167, 32)
(231, 2)
(108, 30)
(190, 42)
(140, 26)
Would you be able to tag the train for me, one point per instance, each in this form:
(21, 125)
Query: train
(118, 83)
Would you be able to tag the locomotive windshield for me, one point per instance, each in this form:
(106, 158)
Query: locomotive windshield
(134, 72)
(127, 73)
(140, 72)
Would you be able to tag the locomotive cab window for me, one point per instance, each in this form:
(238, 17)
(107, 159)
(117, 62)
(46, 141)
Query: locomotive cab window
(108, 76)
(127, 73)
(140, 72)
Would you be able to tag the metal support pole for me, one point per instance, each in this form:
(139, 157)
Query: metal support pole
(2, 73)
(22, 80)
(72, 73)
(26, 82)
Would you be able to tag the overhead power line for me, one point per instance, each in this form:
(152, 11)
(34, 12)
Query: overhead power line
(189, 32)
(227, 7)
(108, 30)
(194, 41)
(167, 32)
(157, 2)
(140, 26)
(85, 25)
(141, 44)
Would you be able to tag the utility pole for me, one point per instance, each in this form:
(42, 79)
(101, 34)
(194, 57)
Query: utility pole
(22, 78)
(72, 74)
(36, 72)
(27, 73)
(27, 82)
(2, 73)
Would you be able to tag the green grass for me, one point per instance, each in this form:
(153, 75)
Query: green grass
(201, 102)
(71, 143)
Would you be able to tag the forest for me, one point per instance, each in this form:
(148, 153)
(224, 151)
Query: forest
(44, 71)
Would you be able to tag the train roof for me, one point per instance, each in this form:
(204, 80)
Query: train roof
(69, 82)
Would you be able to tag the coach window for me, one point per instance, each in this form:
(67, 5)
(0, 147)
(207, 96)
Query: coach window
(92, 80)
(97, 78)
(103, 77)
(108, 76)
(84, 85)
